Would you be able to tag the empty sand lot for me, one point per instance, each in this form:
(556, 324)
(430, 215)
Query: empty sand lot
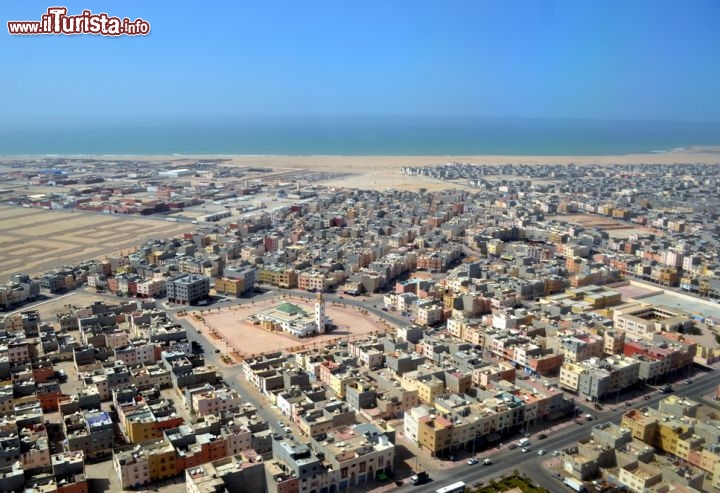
(34, 241)
(615, 228)
(235, 333)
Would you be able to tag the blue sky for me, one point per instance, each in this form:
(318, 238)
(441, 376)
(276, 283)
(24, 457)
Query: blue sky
(645, 60)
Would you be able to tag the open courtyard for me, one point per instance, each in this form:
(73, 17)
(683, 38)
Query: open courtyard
(230, 331)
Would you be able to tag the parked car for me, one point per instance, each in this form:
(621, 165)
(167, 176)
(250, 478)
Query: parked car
(217, 350)
(542, 436)
(420, 477)
(646, 397)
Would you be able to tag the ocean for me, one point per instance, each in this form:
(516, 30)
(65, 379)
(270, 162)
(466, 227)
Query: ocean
(355, 136)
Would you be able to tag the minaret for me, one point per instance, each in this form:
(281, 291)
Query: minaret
(320, 313)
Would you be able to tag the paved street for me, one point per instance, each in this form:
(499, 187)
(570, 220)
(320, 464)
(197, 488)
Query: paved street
(444, 472)
(409, 455)
(507, 460)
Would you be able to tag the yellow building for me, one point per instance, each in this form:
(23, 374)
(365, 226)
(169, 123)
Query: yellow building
(455, 327)
(284, 278)
(429, 387)
(338, 383)
(141, 426)
(435, 433)
(495, 247)
(621, 214)
(669, 433)
(233, 287)
(570, 375)
(161, 461)
(716, 475)
(687, 444)
(643, 424)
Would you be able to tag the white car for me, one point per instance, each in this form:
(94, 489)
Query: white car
(472, 462)
(525, 450)
(542, 452)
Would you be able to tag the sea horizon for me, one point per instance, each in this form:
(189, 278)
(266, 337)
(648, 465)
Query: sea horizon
(356, 136)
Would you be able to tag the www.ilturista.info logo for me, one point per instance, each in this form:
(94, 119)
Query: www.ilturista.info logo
(56, 21)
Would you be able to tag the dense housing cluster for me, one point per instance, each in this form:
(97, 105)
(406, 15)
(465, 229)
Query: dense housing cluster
(513, 299)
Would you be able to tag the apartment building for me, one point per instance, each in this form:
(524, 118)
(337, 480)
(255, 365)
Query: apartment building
(234, 474)
(215, 401)
(641, 320)
(142, 464)
(188, 289)
(68, 469)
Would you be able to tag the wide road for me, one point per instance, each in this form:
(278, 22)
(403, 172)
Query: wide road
(232, 374)
(531, 463)
(504, 461)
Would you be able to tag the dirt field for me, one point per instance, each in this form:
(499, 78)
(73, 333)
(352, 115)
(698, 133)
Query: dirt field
(614, 227)
(34, 241)
(229, 329)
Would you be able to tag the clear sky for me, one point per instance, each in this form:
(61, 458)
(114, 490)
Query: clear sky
(647, 60)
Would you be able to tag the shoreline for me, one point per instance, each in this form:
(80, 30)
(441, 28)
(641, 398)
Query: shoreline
(696, 154)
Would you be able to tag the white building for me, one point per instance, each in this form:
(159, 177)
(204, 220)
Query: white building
(293, 319)
(411, 419)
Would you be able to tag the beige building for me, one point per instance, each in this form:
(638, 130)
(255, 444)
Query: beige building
(643, 320)
(215, 401)
(132, 467)
(639, 476)
(241, 472)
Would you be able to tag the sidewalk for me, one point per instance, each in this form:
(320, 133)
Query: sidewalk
(422, 459)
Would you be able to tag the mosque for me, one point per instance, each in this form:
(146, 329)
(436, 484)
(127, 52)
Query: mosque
(293, 319)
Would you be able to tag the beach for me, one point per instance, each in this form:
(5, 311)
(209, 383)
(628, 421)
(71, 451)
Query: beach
(381, 172)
